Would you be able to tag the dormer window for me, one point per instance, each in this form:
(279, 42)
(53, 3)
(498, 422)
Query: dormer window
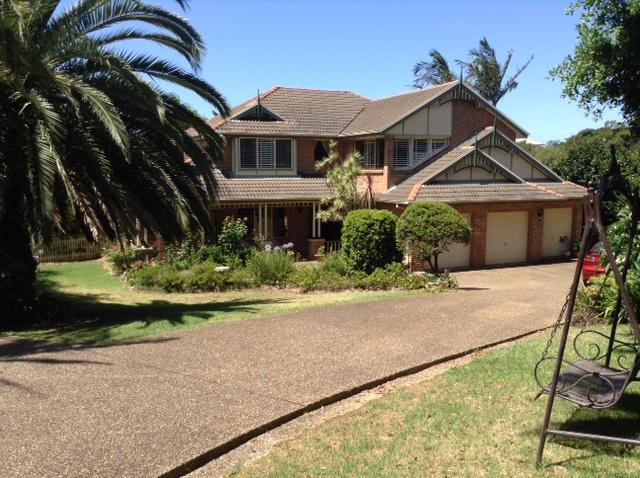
(257, 113)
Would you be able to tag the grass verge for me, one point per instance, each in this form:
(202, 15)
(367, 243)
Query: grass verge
(478, 420)
(97, 308)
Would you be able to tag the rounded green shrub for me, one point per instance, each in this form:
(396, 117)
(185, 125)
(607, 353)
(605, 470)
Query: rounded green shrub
(368, 239)
(426, 230)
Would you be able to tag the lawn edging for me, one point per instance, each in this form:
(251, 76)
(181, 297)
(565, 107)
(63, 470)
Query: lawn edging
(230, 445)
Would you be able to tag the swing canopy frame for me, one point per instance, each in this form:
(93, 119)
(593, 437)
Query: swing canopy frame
(600, 375)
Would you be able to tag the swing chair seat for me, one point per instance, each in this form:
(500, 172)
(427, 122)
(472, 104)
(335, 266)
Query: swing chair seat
(590, 384)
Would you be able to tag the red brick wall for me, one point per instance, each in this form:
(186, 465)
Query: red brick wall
(468, 119)
(306, 149)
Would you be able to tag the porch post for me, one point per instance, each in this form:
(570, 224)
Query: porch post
(266, 219)
(313, 221)
(260, 219)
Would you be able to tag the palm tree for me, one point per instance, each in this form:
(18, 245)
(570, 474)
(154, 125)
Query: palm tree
(86, 131)
(435, 71)
(487, 75)
(484, 72)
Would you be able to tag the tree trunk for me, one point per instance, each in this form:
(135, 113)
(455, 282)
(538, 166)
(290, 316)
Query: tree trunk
(17, 265)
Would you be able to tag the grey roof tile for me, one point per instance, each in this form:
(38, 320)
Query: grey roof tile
(304, 112)
(495, 192)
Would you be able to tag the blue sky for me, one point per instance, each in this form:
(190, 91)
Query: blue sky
(370, 47)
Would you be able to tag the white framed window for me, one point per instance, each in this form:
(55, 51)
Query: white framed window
(410, 152)
(402, 158)
(265, 153)
(372, 152)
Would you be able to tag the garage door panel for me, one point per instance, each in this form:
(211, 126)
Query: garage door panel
(556, 232)
(458, 254)
(507, 237)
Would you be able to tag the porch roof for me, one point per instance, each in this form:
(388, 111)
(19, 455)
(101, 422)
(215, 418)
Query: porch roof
(271, 189)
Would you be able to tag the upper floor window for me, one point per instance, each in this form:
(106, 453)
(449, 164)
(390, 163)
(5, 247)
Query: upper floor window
(372, 152)
(265, 153)
(411, 152)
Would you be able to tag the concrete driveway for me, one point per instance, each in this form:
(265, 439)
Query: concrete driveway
(142, 409)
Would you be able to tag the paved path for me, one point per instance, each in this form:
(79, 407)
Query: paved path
(142, 409)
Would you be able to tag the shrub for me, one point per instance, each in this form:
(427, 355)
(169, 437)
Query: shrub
(335, 262)
(232, 237)
(182, 255)
(368, 239)
(120, 260)
(308, 278)
(425, 230)
(211, 254)
(271, 267)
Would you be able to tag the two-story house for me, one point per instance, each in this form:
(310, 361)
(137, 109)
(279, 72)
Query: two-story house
(445, 143)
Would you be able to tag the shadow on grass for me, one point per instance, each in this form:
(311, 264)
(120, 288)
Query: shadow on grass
(89, 319)
(622, 420)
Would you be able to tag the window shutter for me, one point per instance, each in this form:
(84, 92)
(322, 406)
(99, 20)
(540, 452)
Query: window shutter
(247, 153)
(401, 160)
(283, 153)
(266, 153)
(420, 150)
(379, 153)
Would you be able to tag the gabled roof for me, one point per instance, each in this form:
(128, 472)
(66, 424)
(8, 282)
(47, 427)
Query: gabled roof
(379, 115)
(418, 187)
(326, 113)
(304, 112)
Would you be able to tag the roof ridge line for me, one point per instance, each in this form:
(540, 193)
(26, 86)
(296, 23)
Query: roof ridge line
(547, 190)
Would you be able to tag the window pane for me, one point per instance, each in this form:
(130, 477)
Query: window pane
(420, 150)
(320, 152)
(280, 226)
(360, 147)
(247, 153)
(266, 153)
(370, 154)
(437, 145)
(283, 153)
(401, 159)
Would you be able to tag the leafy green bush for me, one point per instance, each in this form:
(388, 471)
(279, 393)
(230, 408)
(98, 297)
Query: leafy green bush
(368, 239)
(119, 260)
(232, 237)
(335, 262)
(426, 230)
(271, 267)
(393, 276)
(182, 255)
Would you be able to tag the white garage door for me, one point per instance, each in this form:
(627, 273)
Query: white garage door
(556, 232)
(507, 237)
(457, 255)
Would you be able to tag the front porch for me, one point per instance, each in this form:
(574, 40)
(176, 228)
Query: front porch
(284, 222)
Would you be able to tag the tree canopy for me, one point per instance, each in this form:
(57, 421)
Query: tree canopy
(483, 71)
(426, 230)
(604, 69)
(87, 131)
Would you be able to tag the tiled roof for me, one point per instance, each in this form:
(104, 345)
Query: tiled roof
(380, 115)
(496, 192)
(304, 112)
(565, 188)
(269, 189)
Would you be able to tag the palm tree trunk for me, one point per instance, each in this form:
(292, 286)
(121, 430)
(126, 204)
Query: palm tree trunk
(17, 265)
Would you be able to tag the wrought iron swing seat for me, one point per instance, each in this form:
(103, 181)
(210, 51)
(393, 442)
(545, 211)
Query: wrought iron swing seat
(603, 365)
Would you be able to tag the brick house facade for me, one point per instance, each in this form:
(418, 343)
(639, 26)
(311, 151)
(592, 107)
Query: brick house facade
(444, 143)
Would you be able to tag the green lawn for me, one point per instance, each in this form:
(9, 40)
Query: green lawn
(478, 420)
(98, 308)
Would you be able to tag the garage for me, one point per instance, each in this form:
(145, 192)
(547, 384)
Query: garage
(458, 254)
(507, 237)
(556, 232)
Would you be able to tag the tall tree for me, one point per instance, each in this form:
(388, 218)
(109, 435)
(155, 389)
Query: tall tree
(483, 71)
(434, 71)
(85, 127)
(604, 69)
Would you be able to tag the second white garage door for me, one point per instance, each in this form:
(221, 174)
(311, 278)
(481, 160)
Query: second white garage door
(507, 237)
(556, 232)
